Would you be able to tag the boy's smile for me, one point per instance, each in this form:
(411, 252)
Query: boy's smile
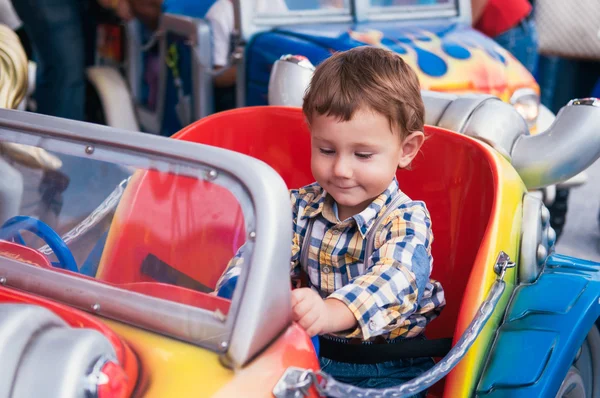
(355, 161)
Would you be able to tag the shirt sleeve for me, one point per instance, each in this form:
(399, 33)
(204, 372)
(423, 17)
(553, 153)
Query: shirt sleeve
(234, 267)
(221, 18)
(389, 292)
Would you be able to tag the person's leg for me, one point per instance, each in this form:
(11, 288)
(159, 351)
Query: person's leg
(55, 30)
(547, 76)
(522, 42)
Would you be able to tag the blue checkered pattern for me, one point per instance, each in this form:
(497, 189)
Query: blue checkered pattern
(394, 297)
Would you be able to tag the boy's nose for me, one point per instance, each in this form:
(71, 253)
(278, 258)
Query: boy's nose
(341, 168)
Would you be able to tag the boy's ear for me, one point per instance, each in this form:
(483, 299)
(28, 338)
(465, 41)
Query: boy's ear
(410, 147)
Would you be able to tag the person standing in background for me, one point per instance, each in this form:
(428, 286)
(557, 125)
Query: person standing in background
(56, 29)
(510, 23)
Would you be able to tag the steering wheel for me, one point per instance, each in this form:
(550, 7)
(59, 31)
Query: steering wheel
(11, 231)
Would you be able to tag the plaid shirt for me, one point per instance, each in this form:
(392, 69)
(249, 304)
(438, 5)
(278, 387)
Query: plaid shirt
(394, 297)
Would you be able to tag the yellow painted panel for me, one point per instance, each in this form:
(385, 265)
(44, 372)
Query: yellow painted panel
(172, 368)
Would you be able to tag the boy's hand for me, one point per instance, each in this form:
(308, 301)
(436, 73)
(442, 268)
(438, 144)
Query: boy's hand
(318, 316)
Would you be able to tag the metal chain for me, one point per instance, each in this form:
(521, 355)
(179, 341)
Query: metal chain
(93, 219)
(333, 388)
(152, 41)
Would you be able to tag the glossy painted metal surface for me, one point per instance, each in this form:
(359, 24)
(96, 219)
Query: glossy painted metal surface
(447, 57)
(502, 233)
(289, 79)
(79, 319)
(468, 188)
(23, 254)
(549, 327)
(259, 377)
(173, 368)
(568, 147)
(537, 238)
(20, 327)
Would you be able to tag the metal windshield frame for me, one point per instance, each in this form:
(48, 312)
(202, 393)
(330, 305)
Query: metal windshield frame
(249, 325)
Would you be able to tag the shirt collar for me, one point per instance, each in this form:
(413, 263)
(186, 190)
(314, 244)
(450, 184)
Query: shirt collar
(323, 204)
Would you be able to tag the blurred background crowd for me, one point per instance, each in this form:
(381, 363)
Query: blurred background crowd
(60, 35)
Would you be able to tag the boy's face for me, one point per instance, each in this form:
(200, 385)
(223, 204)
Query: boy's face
(355, 161)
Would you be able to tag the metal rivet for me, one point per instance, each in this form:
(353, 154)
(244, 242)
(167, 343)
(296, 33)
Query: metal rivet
(96, 307)
(212, 174)
(542, 253)
(252, 235)
(545, 216)
(2, 281)
(224, 344)
(89, 149)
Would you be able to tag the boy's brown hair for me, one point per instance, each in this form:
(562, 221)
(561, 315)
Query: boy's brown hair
(367, 77)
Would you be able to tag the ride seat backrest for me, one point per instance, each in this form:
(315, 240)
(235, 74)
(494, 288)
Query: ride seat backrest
(451, 174)
(172, 229)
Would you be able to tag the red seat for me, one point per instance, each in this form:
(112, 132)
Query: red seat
(451, 175)
(188, 226)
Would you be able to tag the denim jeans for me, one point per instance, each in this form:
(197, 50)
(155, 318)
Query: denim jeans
(379, 375)
(522, 42)
(55, 28)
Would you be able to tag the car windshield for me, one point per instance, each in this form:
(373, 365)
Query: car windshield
(291, 6)
(157, 227)
(405, 9)
(404, 3)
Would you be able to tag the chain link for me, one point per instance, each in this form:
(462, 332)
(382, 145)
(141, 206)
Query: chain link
(93, 219)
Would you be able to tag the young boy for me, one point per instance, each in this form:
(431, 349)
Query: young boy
(365, 114)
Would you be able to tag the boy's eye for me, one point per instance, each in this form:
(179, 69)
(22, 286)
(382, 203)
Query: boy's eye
(363, 155)
(325, 151)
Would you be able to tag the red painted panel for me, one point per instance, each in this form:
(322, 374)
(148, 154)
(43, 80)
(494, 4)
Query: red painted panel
(24, 254)
(292, 348)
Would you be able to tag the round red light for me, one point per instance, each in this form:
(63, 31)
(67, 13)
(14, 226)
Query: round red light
(115, 382)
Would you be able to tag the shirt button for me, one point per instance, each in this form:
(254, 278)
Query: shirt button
(326, 269)
(335, 232)
(372, 326)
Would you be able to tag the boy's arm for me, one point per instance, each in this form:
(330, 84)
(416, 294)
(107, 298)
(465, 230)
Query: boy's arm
(234, 267)
(390, 291)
